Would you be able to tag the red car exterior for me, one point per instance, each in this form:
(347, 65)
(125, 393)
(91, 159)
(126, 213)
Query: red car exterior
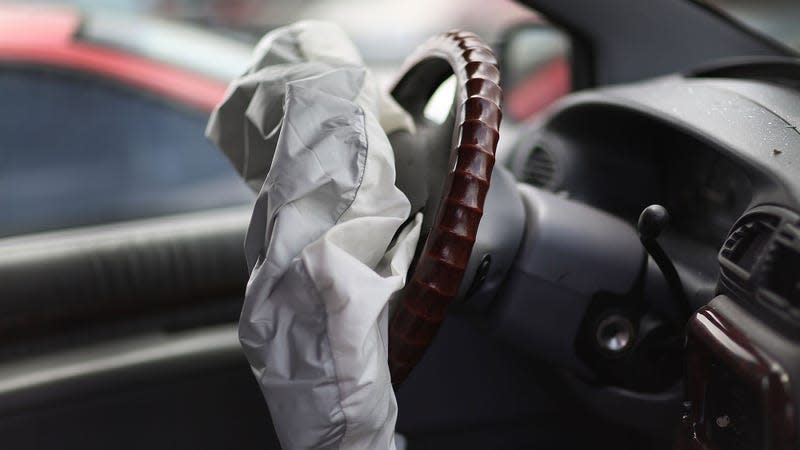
(47, 35)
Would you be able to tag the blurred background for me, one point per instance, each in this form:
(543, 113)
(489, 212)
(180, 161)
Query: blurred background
(104, 102)
(384, 31)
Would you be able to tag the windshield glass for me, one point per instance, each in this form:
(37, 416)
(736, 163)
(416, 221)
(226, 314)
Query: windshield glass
(778, 19)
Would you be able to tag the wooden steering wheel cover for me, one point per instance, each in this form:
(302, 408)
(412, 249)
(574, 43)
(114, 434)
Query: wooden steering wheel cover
(441, 265)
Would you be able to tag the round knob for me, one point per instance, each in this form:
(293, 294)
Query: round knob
(652, 221)
(615, 333)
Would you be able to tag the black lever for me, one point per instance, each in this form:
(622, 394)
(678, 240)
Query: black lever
(652, 222)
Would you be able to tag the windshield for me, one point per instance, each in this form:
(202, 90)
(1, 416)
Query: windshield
(778, 19)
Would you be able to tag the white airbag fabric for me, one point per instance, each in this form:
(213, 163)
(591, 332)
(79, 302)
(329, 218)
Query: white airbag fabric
(306, 127)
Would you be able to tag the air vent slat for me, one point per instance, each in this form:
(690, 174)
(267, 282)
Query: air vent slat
(540, 168)
(760, 263)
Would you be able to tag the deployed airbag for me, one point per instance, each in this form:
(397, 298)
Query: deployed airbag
(306, 127)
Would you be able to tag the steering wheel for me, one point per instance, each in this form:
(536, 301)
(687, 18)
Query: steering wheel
(449, 187)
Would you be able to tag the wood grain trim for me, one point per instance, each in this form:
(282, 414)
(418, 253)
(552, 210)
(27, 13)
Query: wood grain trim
(440, 268)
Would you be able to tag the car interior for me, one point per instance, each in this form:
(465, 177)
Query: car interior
(634, 282)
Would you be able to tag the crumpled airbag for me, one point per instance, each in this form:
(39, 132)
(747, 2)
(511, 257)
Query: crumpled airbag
(306, 127)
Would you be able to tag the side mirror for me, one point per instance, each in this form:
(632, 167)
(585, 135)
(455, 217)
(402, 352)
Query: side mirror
(534, 63)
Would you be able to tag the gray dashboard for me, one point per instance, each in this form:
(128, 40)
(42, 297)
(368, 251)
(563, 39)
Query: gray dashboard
(708, 149)
(722, 154)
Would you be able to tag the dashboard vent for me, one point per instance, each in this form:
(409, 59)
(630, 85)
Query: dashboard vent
(779, 274)
(745, 246)
(540, 168)
(760, 263)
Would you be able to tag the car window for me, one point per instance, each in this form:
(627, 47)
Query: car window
(190, 48)
(76, 150)
(777, 19)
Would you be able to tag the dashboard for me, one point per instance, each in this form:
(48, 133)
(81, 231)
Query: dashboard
(622, 149)
(722, 155)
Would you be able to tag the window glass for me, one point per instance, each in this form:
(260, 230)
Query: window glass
(76, 150)
(778, 19)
